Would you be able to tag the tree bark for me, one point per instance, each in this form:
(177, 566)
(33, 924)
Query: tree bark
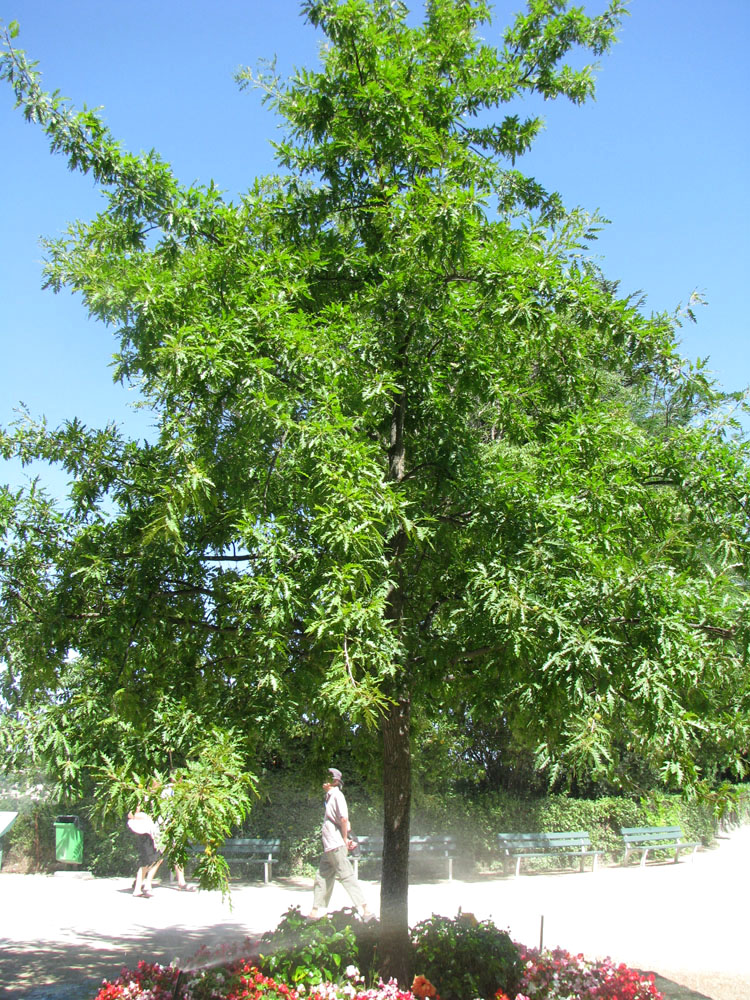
(395, 951)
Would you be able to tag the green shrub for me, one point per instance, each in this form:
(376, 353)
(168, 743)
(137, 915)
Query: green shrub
(463, 958)
(111, 852)
(366, 934)
(484, 815)
(30, 843)
(292, 811)
(696, 818)
(734, 806)
(302, 951)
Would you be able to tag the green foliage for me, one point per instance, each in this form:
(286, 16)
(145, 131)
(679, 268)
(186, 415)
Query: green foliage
(476, 819)
(200, 803)
(109, 851)
(462, 957)
(697, 818)
(601, 818)
(726, 803)
(30, 843)
(556, 538)
(292, 813)
(301, 951)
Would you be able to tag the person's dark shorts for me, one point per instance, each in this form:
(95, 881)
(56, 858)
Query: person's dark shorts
(147, 853)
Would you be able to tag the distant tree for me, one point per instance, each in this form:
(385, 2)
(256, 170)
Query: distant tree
(398, 465)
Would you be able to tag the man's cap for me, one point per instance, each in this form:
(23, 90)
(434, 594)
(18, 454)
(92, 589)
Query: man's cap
(335, 774)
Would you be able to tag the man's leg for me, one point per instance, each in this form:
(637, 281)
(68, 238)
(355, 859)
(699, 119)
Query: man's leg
(345, 874)
(324, 882)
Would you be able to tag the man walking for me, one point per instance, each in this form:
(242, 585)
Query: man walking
(334, 862)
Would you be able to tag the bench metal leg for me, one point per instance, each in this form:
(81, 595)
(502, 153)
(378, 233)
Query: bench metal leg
(450, 869)
(267, 870)
(518, 865)
(644, 855)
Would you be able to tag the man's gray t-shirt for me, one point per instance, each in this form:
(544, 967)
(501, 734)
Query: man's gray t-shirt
(336, 810)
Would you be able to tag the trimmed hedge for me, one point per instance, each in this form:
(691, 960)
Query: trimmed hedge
(293, 814)
(295, 817)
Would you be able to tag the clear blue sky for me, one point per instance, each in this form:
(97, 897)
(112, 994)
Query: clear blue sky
(663, 153)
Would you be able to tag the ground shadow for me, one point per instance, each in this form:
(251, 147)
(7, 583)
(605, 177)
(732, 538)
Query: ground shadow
(673, 991)
(37, 970)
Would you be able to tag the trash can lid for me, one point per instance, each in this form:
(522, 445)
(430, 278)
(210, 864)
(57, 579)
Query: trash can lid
(66, 819)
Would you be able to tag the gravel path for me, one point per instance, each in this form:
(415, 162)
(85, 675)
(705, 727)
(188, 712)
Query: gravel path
(60, 935)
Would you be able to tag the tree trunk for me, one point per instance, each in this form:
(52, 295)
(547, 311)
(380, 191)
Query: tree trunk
(395, 953)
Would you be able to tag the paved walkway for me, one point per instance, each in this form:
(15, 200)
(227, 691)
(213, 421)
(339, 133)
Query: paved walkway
(690, 923)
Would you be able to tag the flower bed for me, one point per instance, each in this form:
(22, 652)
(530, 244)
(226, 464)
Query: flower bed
(243, 981)
(551, 975)
(314, 961)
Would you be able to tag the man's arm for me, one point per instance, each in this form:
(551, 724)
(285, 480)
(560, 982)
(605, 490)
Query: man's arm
(343, 811)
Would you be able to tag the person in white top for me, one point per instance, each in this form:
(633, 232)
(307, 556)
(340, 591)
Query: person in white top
(334, 862)
(149, 856)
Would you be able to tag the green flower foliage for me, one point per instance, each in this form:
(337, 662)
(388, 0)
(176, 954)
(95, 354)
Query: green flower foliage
(309, 952)
(462, 957)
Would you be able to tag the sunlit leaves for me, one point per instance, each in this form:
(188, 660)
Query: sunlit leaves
(405, 431)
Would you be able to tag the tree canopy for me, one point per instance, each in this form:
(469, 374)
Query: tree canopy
(414, 455)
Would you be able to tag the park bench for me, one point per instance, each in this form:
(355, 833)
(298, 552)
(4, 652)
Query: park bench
(436, 846)
(545, 845)
(249, 850)
(655, 838)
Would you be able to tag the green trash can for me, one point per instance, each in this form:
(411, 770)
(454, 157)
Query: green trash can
(68, 840)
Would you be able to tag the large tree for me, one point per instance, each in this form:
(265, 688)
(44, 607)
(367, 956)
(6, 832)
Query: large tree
(414, 452)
